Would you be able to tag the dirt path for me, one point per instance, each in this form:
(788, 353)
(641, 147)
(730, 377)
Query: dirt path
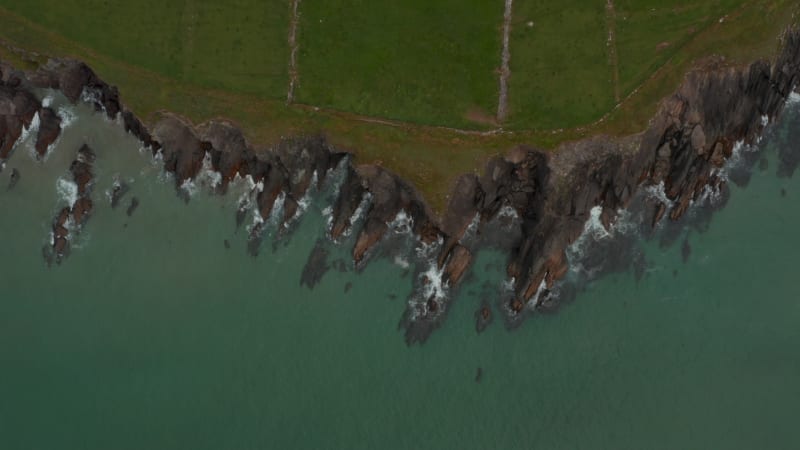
(611, 43)
(294, 21)
(399, 123)
(189, 26)
(505, 58)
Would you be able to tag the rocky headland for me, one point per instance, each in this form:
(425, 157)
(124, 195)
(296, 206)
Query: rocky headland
(542, 198)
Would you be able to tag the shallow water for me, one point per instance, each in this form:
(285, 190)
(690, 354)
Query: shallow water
(152, 334)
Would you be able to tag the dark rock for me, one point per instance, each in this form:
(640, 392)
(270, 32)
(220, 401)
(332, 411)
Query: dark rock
(316, 266)
(118, 190)
(686, 250)
(13, 179)
(483, 316)
(227, 244)
(132, 206)
(49, 129)
(182, 150)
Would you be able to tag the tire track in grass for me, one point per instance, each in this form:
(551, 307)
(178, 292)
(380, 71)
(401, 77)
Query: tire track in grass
(294, 20)
(505, 59)
(611, 43)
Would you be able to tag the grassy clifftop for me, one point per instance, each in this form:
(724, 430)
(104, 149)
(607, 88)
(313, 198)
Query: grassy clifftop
(406, 84)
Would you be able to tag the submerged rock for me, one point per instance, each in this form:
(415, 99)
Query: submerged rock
(316, 266)
(13, 179)
(118, 190)
(132, 206)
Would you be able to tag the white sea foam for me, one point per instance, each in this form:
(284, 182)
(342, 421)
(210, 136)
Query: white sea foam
(507, 286)
(436, 287)
(67, 191)
(305, 201)
(27, 132)
(68, 116)
(794, 98)
(535, 299)
(327, 214)
(472, 229)
(657, 192)
(593, 231)
(358, 214)
(47, 101)
(764, 120)
(402, 223)
(91, 97)
(207, 176)
(507, 211)
(401, 262)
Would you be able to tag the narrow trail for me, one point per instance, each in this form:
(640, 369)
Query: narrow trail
(399, 123)
(293, 75)
(505, 58)
(189, 25)
(611, 43)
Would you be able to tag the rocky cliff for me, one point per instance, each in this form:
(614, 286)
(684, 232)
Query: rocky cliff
(550, 195)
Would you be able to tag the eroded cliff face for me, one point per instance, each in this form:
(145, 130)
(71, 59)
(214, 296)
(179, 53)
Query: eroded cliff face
(542, 200)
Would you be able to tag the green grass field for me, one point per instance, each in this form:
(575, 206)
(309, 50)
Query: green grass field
(237, 45)
(422, 61)
(560, 74)
(649, 32)
(426, 63)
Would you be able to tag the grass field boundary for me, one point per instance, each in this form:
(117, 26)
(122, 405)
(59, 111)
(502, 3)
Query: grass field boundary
(294, 21)
(505, 61)
(613, 58)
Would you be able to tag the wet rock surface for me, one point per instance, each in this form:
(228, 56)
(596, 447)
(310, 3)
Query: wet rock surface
(532, 203)
(49, 129)
(316, 266)
(13, 179)
(71, 219)
(132, 206)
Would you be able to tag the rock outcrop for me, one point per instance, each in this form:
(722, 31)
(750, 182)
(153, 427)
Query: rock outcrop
(544, 199)
(71, 218)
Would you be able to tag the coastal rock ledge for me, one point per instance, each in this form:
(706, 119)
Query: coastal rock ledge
(551, 194)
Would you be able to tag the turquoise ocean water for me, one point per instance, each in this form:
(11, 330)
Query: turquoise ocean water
(153, 335)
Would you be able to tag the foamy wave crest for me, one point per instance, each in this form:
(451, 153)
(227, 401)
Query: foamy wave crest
(402, 223)
(794, 99)
(47, 101)
(67, 115)
(276, 215)
(67, 191)
(208, 177)
(508, 212)
(428, 251)
(358, 214)
(91, 97)
(304, 203)
(593, 231)
(401, 262)
(26, 134)
(432, 288)
(657, 192)
(327, 214)
(189, 186)
(535, 299)
(472, 229)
